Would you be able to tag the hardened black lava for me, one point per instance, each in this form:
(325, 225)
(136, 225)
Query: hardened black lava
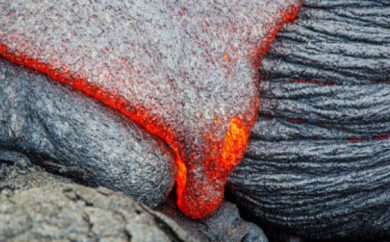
(318, 160)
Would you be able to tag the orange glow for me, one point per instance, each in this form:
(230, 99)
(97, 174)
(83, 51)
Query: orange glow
(198, 196)
(234, 145)
(181, 180)
(287, 16)
(226, 57)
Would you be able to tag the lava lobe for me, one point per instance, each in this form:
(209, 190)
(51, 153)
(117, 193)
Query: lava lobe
(186, 71)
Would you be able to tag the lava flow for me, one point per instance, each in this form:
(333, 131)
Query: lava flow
(174, 78)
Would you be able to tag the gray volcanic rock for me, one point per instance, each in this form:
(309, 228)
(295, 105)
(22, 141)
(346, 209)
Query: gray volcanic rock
(44, 207)
(318, 161)
(37, 205)
(63, 129)
(183, 70)
(17, 173)
(224, 225)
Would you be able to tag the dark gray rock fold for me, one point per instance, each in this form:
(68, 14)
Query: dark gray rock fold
(318, 162)
(72, 134)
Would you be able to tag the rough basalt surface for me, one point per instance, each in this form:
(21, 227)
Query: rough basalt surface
(183, 70)
(69, 133)
(37, 205)
(318, 161)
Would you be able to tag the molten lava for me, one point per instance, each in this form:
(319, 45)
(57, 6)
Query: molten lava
(204, 156)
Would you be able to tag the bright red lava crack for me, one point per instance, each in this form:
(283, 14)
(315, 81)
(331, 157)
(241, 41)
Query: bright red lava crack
(231, 148)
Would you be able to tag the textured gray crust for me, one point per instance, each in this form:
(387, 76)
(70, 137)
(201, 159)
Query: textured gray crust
(59, 209)
(224, 225)
(73, 134)
(182, 69)
(318, 162)
(38, 206)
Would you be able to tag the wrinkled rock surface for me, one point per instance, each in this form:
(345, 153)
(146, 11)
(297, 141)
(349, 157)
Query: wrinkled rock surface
(183, 70)
(318, 161)
(63, 129)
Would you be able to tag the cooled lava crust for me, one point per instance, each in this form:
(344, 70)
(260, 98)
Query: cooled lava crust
(318, 160)
(186, 71)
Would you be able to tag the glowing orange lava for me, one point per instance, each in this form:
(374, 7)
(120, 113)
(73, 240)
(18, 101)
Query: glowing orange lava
(198, 196)
(287, 16)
